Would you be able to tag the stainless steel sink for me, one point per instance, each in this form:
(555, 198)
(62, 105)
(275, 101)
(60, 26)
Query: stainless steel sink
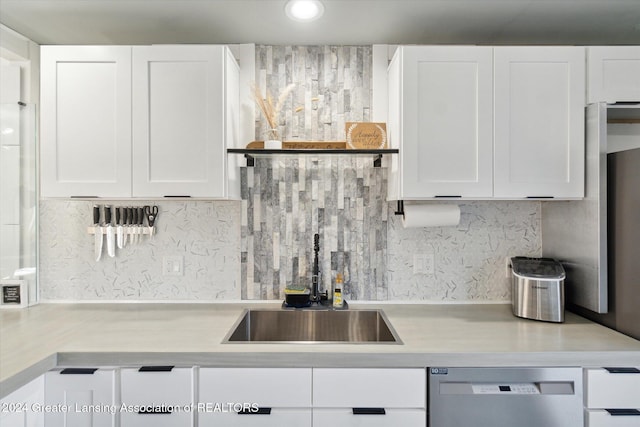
(313, 326)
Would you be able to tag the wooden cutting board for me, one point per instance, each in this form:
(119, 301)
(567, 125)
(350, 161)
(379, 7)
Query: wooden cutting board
(303, 145)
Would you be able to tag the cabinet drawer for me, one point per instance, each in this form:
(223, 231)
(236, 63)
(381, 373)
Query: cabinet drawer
(272, 387)
(173, 387)
(605, 390)
(276, 418)
(174, 419)
(391, 418)
(602, 418)
(80, 390)
(385, 388)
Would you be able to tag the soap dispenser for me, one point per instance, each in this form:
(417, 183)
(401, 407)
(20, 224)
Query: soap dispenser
(337, 292)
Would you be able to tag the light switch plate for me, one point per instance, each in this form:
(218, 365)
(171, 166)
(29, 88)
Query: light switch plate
(173, 266)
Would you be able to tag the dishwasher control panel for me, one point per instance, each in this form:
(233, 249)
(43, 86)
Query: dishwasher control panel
(518, 388)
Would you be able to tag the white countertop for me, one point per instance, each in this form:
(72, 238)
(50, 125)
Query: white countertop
(38, 338)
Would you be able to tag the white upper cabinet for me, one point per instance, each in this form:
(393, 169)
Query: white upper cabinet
(613, 74)
(179, 124)
(86, 121)
(440, 117)
(147, 121)
(539, 122)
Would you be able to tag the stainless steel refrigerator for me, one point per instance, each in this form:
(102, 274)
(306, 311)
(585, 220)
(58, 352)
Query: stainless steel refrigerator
(598, 239)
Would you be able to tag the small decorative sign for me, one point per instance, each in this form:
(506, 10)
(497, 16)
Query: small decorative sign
(365, 135)
(13, 293)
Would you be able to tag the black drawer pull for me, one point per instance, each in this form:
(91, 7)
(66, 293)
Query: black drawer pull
(78, 371)
(155, 369)
(177, 197)
(369, 411)
(154, 412)
(260, 411)
(540, 197)
(623, 370)
(447, 197)
(623, 412)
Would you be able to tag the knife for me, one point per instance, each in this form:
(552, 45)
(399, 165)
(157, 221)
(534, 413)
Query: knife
(111, 236)
(125, 220)
(98, 232)
(134, 221)
(129, 216)
(140, 223)
(119, 220)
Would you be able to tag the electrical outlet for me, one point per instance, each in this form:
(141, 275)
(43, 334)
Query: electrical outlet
(172, 266)
(423, 264)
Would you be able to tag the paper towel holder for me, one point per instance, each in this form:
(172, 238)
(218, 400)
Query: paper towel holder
(400, 208)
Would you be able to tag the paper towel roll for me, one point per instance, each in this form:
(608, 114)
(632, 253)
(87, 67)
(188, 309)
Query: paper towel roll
(430, 216)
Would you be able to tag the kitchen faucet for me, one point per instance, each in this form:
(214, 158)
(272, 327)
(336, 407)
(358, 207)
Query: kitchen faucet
(316, 296)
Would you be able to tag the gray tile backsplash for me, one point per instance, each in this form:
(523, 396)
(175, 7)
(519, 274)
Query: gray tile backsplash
(251, 249)
(288, 201)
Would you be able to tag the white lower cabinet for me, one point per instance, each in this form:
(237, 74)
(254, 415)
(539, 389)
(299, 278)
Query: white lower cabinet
(86, 397)
(20, 408)
(369, 417)
(254, 397)
(369, 397)
(612, 397)
(274, 417)
(603, 418)
(157, 397)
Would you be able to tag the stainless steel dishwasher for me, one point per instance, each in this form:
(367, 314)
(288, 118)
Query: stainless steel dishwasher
(505, 397)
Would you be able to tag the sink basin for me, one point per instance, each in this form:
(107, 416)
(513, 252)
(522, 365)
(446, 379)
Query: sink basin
(313, 326)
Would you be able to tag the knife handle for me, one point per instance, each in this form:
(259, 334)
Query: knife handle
(140, 215)
(118, 215)
(96, 214)
(107, 214)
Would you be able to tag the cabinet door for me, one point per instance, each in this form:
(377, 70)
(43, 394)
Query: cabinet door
(178, 121)
(351, 418)
(613, 74)
(18, 409)
(539, 122)
(86, 121)
(446, 126)
(85, 393)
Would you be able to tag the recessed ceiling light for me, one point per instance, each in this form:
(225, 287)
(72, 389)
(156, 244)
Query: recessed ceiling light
(304, 10)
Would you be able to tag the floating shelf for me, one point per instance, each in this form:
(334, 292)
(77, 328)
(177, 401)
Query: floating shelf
(253, 153)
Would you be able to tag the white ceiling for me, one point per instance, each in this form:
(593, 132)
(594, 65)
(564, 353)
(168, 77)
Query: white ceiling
(581, 22)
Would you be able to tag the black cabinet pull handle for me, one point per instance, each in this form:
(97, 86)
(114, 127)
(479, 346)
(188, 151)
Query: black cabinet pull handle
(260, 411)
(78, 371)
(369, 411)
(614, 370)
(623, 412)
(155, 369)
(153, 412)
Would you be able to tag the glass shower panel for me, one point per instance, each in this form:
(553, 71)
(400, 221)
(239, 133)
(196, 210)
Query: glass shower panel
(18, 204)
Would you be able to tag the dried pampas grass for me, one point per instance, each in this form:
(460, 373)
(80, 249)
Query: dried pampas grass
(271, 111)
